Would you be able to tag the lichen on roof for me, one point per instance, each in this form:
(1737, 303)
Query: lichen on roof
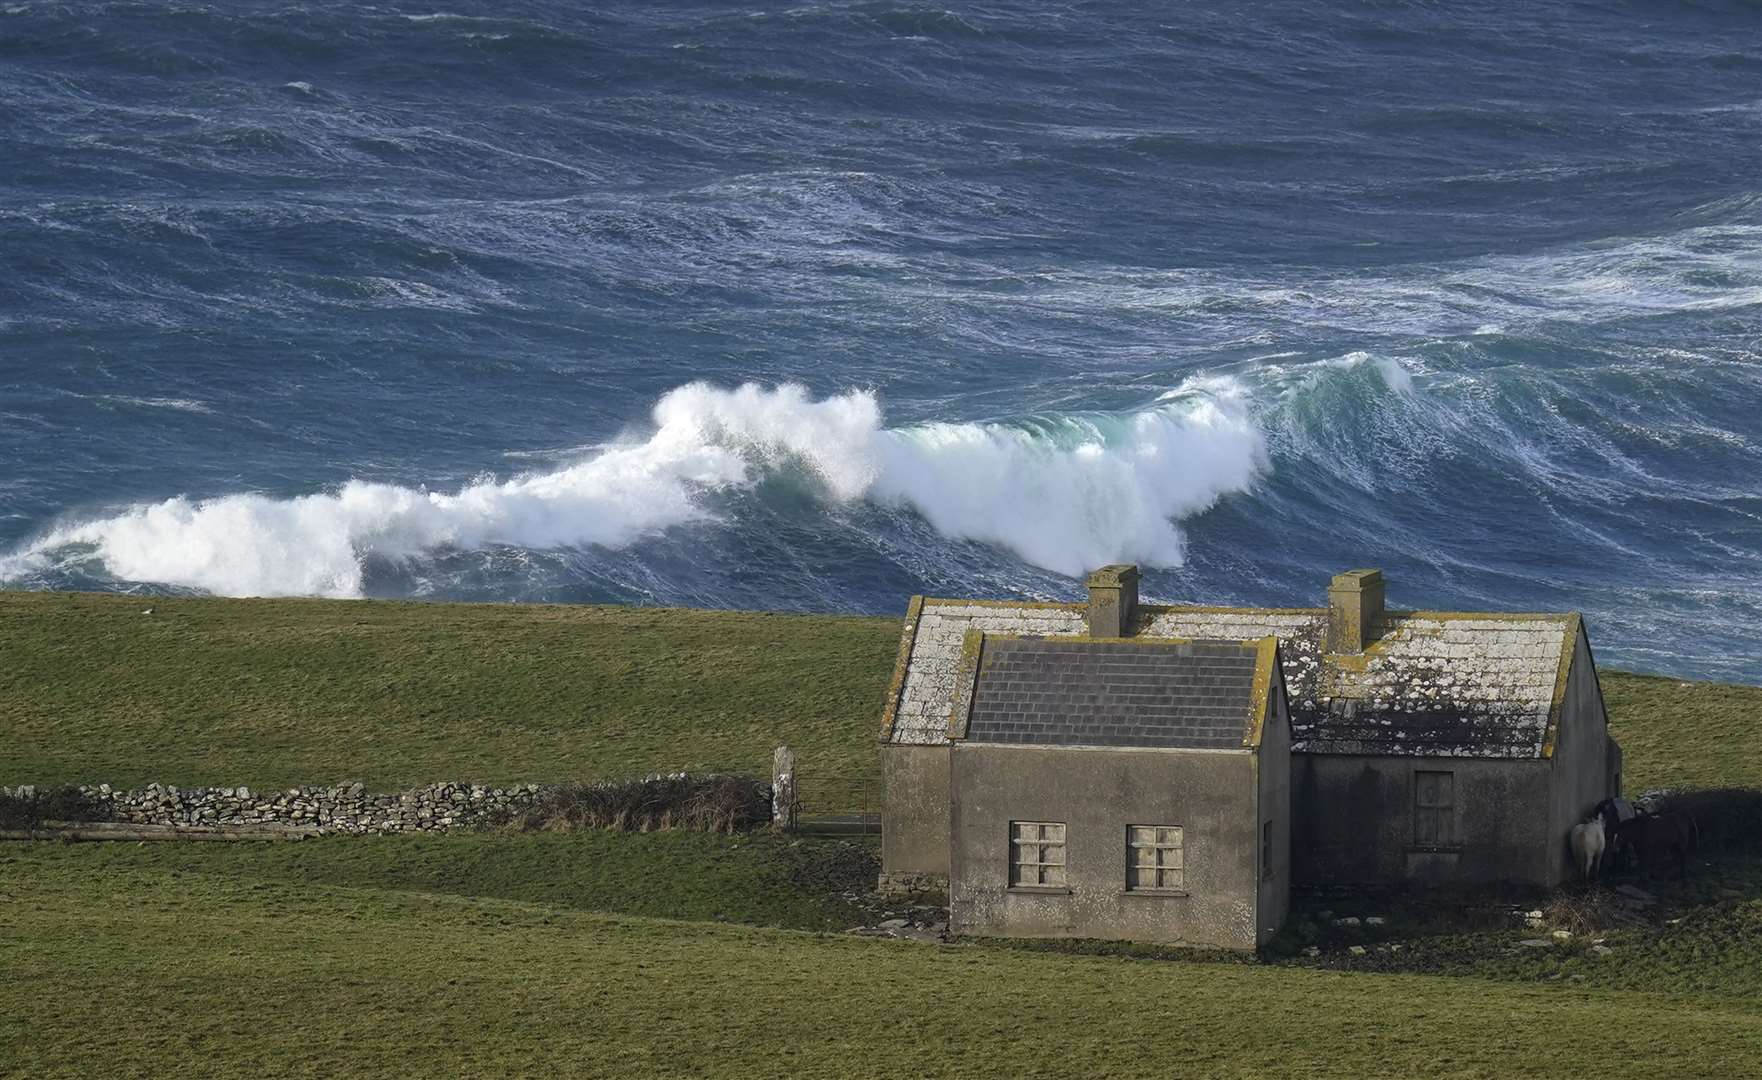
(1428, 684)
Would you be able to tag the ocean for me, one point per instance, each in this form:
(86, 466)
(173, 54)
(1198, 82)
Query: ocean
(815, 306)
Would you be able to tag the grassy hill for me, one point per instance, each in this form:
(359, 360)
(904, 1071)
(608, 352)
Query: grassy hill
(1685, 734)
(618, 955)
(277, 692)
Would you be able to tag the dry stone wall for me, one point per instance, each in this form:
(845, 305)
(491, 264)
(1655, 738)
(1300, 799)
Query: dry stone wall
(343, 808)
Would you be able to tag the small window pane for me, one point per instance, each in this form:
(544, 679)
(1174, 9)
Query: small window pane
(1155, 857)
(1036, 853)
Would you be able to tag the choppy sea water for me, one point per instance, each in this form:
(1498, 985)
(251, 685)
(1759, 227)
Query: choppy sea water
(816, 306)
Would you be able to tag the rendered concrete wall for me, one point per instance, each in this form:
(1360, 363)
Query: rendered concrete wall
(914, 815)
(1353, 821)
(1213, 795)
(1582, 751)
(1274, 768)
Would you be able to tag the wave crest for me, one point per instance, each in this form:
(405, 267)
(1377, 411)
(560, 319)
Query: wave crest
(1065, 493)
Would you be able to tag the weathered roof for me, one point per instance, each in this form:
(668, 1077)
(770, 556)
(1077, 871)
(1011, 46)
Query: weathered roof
(1429, 683)
(1080, 692)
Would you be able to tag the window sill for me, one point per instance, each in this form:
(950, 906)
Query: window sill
(1041, 890)
(1156, 892)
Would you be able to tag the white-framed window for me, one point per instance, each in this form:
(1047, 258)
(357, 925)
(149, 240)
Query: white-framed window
(1434, 808)
(1155, 858)
(1037, 854)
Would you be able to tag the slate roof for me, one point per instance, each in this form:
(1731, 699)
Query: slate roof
(1430, 683)
(1052, 692)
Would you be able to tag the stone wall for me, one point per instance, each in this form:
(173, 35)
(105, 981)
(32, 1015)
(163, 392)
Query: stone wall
(344, 808)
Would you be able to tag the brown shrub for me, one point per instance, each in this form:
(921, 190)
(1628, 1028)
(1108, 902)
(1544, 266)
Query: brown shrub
(1726, 818)
(29, 808)
(1585, 912)
(714, 803)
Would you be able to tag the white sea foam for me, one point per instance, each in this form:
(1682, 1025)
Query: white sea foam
(1065, 493)
(181, 404)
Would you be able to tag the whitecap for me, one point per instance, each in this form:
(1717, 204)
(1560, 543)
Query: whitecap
(180, 404)
(1064, 492)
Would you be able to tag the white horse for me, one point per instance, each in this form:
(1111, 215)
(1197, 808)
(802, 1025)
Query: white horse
(1587, 845)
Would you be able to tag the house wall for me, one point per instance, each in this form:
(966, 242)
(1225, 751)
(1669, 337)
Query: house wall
(1582, 756)
(914, 816)
(1353, 819)
(1213, 795)
(1274, 776)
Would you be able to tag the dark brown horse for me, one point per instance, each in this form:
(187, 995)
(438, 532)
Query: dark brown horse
(1615, 813)
(1655, 838)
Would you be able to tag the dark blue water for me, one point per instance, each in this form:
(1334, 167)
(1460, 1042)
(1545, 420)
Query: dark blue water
(817, 306)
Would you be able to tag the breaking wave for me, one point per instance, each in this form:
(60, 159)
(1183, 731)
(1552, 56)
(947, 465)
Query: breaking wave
(1065, 492)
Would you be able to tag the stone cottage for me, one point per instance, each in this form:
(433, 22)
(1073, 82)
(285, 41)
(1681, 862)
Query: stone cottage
(1186, 743)
(1424, 746)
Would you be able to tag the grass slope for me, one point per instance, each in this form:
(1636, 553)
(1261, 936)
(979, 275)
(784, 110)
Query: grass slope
(278, 692)
(145, 970)
(760, 879)
(1684, 734)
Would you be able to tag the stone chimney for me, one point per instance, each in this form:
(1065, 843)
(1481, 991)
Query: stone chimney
(1113, 600)
(1355, 601)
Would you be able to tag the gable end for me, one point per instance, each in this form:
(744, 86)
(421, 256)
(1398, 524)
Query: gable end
(908, 638)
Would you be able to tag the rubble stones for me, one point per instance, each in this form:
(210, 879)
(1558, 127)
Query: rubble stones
(919, 922)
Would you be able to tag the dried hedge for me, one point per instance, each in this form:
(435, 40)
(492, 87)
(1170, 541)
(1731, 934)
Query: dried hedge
(29, 807)
(713, 803)
(1727, 818)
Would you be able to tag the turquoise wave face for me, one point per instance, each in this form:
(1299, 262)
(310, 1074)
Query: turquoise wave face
(819, 307)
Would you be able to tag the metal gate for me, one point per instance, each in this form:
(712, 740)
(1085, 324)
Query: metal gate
(838, 804)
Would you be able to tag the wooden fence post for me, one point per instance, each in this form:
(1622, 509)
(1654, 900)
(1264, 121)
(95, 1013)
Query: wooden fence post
(783, 788)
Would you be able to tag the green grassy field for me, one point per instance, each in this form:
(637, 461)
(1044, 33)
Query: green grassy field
(152, 967)
(1685, 734)
(277, 692)
(674, 954)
